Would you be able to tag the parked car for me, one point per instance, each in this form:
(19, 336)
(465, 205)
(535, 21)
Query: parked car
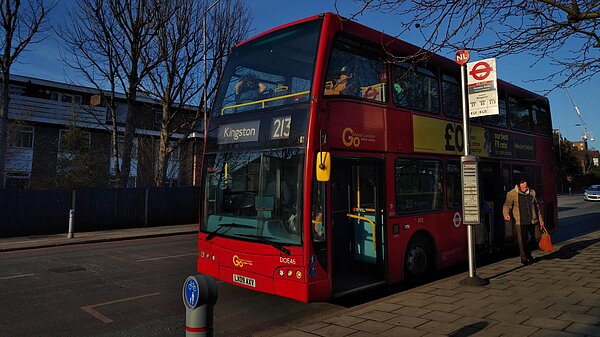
(592, 193)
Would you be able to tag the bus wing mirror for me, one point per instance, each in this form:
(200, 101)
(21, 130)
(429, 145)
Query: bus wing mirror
(323, 166)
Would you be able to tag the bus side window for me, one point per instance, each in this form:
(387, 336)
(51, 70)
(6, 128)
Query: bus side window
(415, 87)
(453, 185)
(356, 70)
(418, 184)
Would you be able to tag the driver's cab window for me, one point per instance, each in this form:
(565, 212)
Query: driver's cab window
(356, 70)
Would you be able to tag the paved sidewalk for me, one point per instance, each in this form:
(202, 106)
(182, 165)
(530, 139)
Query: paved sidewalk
(42, 241)
(559, 295)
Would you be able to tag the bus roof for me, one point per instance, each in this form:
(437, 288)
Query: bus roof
(293, 23)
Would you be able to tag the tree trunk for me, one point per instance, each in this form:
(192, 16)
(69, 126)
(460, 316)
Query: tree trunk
(163, 161)
(128, 141)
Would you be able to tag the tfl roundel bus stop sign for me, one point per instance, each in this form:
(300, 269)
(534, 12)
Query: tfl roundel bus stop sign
(482, 88)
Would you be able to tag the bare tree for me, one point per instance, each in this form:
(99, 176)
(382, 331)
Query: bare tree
(91, 53)
(106, 41)
(177, 81)
(565, 32)
(21, 22)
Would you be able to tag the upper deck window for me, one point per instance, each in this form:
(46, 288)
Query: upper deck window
(415, 87)
(273, 70)
(352, 73)
(518, 115)
(452, 96)
(500, 119)
(541, 120)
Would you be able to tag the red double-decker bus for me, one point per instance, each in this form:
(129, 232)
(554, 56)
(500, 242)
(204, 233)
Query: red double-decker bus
(332, 167)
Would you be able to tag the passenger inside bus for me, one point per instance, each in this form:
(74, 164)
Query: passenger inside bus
(317, 220)
(346, 84)
(249, 89)
(280, 90)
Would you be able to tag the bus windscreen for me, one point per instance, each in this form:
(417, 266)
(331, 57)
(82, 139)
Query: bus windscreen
(254, 194)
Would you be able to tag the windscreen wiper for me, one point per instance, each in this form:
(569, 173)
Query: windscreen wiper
(265, 240)
(228, 226)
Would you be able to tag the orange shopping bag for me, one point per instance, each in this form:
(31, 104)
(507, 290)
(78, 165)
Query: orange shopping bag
(546, 242)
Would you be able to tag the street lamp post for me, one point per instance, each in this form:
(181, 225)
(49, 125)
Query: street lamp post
(204, 91)
(205, 83)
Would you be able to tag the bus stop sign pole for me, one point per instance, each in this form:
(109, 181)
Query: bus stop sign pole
(469, 179)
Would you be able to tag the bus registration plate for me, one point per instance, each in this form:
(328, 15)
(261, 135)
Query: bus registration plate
(244, 280)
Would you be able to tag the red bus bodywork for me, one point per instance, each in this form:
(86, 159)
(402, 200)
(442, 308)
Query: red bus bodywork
(370, 141)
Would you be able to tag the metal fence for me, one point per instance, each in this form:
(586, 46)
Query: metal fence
(42, 212)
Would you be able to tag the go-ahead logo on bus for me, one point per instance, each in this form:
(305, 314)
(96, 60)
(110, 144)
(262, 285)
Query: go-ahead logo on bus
(351, 138)
(240, 262)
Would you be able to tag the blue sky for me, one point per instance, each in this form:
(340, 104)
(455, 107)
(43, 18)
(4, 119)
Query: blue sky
(42, 60)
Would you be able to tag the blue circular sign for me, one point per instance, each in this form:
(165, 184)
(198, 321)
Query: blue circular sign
(191, 292)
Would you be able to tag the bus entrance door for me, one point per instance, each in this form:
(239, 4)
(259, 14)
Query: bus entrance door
(357, 225)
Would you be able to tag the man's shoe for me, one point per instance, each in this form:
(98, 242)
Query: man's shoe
(530, 260)
(526, 262)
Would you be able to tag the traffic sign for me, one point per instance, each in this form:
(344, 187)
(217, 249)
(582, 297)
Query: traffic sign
(482, 88)
(191, 291)
(480, 71)
(462, 57)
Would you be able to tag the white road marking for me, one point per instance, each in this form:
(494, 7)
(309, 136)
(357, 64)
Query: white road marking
(90, 309)
(166, 257)
(15, 276)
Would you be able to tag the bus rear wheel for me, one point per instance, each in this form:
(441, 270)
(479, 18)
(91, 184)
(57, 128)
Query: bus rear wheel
(419, 259)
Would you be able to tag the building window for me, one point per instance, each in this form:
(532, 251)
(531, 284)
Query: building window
(121, 111)
(121, 142)
(158, 115)
(21, 137)
(17, 180)
(85, 141)
(65, 98)
(16, 90)
(172, 164)
(134, 161)
(415, 87)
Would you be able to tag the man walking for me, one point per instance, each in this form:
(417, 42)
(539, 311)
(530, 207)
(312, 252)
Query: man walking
(521, 207)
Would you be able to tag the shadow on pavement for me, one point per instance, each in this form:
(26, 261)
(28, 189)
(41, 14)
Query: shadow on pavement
(469, 330)
(567, 252)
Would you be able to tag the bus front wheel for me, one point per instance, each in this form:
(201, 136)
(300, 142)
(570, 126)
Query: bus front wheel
(419, 258)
